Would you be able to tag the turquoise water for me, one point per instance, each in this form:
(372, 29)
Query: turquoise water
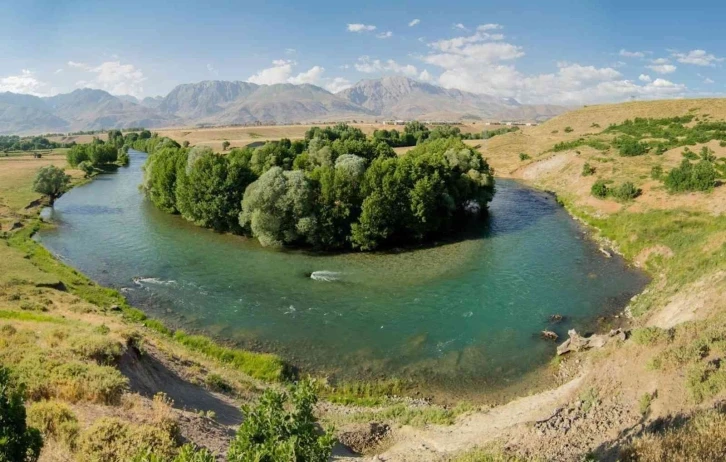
(464, 313)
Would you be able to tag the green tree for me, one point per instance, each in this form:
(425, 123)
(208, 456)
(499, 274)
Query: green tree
(272, 432)
(210, 193)
(18, 443)
(225, 145)
(160, 177)
(51, 181)
(278, 208)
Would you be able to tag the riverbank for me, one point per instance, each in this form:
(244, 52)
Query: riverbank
(667, 371)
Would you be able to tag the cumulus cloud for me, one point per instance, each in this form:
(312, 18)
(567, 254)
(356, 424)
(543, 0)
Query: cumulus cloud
(662, 68)
(281, 71)
(312, 76)
(425, 76)
(414, 22)
(385, 35)
(660, 61)
(485, 63)
(25, 82)
(360, 28)
(708, 81)
(112, 76)
(211, 69)
(697, 57)
(338, 84)
(371, 66)
(632, 54)
(460, 26)
(644, 78)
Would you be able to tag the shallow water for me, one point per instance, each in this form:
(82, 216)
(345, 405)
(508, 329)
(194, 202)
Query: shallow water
(461, 314)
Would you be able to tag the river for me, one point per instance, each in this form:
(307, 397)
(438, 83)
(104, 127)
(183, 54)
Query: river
(463, 314)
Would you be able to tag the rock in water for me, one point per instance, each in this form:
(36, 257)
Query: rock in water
(549, 335)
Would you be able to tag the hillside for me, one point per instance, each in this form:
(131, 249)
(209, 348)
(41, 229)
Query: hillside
(654, 392)
(215, 102)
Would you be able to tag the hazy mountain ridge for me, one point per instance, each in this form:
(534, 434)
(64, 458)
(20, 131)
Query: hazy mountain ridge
(215, 102)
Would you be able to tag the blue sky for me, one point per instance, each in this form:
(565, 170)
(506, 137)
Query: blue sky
(564, 52)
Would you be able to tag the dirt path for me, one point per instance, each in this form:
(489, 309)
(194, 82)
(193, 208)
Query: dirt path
(439, 442)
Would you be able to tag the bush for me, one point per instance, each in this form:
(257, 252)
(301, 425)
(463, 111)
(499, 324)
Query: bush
(54, 420)
(651, 335)
(588, 169)
(215, 382)
(272, 433)
(524, 156)
(18, 442)
(113, 440)
(625, 192)
(630, 147)
(691, 177)
(599, 189)
(656, 172)
(569, 129)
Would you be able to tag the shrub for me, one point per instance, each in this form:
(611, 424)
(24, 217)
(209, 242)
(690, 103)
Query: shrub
(599, 189)
(656, 172)
(18, 442)
(630, 147)
(625, 192)
(691, 177)
(524, 156)
(722, 144)
(588, 169)
(54, 420)
(217, 383)
(644, 402)
(272, 433)
(113, 440)
(651, 335)
(569, 129)
(595, 125)
(703, 437)
(688, 154)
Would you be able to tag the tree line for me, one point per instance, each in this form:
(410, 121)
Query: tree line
(34, 143)
(335, 189)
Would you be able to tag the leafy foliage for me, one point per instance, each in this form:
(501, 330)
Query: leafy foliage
(18, 442)
(700, 176)
(272, 433)
(587, 169)
(51, 181)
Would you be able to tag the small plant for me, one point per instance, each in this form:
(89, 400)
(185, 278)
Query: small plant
(688, 154)
(722, 144)
(215, 382)
(595, 125)
(274, 431)
(524, 156)
(587, 169)
(569, 129)
(645, 402)
(18, 442)
(554, 132)
(625, 192)
(656, 172)
(54, 420)
(651, 335)
(589, 399)
(599, 189)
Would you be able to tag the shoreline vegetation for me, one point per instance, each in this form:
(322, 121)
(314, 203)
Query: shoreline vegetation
(336, 189)
(682, 249)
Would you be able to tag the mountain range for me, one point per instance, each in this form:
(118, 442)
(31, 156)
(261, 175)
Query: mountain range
(228, 103)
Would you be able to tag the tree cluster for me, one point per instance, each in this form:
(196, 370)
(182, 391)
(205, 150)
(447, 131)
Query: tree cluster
(335, 189)
(16, 143)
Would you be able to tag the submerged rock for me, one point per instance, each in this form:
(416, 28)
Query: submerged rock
(555, 318)
(549, 335)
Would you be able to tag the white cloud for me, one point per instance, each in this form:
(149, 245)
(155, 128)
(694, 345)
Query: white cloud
(83, 66)
(112, 76)
(424, 76)
(662, 68)
(632, 54)
(290, 51)
(708, 81)
(281, 71)
(460, 26)
(338, 84)
(414, 22)
(644, 78)
(479, 64)
(370, 66)
(360, 28)
(312, 76)
(211, 69)
(486, 27)
(25, 82)
(660, 61)
(385, 35)
(697, 57)
(58, 71)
